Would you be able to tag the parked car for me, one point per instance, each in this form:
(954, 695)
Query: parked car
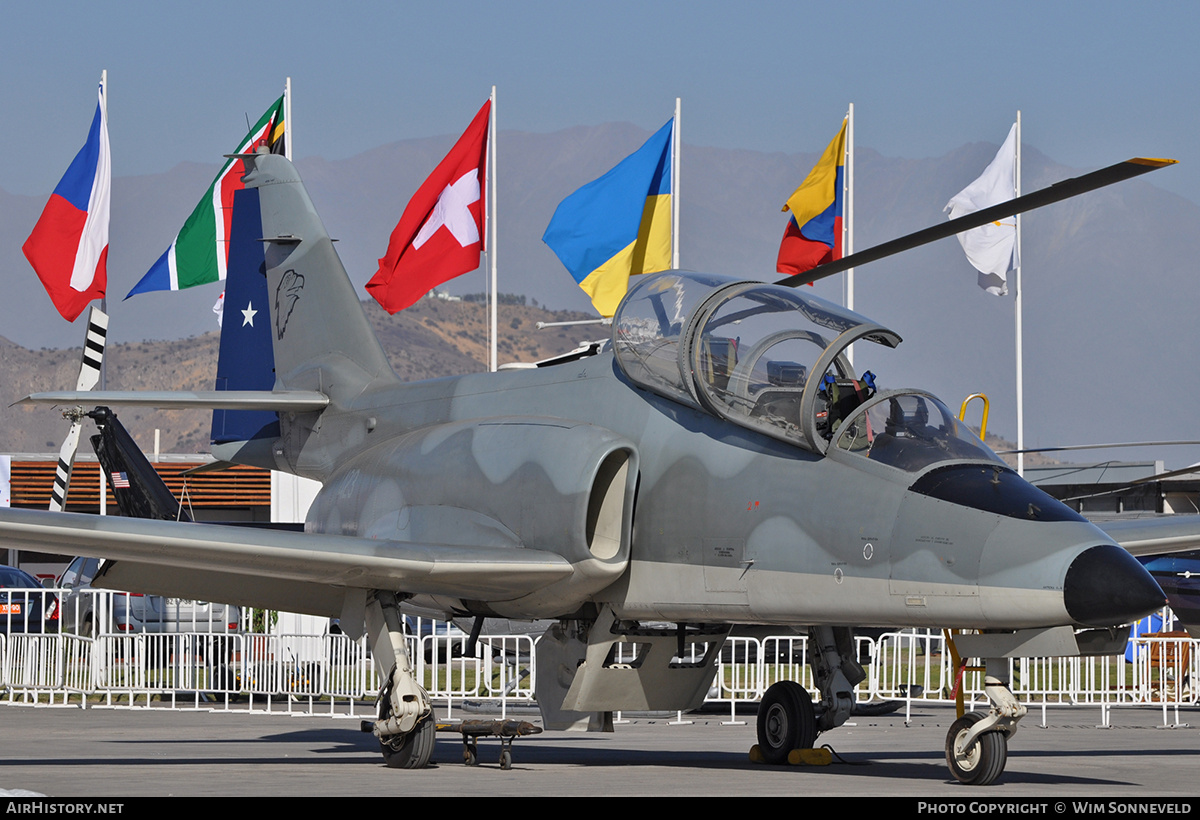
(85, 611)
(25, 606)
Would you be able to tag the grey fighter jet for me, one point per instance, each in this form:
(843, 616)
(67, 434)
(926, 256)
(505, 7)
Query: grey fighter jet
(717, 462)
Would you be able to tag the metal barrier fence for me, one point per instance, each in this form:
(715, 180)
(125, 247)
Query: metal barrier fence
(332, 674)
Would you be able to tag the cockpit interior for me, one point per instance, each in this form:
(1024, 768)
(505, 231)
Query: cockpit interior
(774, 359)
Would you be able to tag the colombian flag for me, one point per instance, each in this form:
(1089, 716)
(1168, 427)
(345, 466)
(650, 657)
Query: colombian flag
(618, 225)
(814, 233)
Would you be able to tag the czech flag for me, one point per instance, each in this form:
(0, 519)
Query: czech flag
(814, 233)
(69, 244)
(619, 225)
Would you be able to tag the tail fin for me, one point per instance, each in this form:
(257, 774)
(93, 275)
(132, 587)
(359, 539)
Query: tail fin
(321, 337)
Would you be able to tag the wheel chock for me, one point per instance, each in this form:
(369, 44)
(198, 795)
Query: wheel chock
(797, 757)
(810, 757)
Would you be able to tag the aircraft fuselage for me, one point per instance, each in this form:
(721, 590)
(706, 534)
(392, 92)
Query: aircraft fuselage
(729, 525)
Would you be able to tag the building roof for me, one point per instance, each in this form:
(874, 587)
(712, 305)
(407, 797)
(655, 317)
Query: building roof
(238, 486)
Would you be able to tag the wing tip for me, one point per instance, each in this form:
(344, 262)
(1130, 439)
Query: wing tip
(1153, 162)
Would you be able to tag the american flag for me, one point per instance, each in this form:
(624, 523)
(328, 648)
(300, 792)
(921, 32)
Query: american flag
(120, 481)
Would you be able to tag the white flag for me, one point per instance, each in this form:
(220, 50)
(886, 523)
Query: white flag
(990, 247)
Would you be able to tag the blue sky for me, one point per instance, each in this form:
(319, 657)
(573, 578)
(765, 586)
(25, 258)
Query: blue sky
(1097, 82)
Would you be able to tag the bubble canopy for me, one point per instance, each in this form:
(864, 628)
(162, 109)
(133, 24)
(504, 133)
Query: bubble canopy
(767, 357)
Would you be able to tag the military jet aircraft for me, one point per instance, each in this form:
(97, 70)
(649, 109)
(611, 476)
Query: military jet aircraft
(717, 462)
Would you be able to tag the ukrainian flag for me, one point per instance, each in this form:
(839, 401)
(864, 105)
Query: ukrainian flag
(618, 225)
(814, 233)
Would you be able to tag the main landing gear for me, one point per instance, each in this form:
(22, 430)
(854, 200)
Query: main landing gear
(787, 718)
(410, 750)
(786, 721)
(406, 728)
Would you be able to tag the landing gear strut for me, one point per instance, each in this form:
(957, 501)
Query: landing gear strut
(787, 717)
(406, 727)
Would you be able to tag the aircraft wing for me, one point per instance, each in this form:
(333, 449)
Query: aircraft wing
(1151, 536)
(315, 570)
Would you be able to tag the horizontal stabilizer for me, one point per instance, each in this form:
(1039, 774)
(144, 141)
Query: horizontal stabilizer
(285, 401)
(1150, 536)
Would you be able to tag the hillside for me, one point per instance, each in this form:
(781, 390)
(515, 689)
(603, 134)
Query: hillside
(432, 338)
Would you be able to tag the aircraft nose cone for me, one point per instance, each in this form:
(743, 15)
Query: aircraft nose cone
(1106, 586)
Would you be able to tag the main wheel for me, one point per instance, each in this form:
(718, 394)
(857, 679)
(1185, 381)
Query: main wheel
(785, 721)
(410, 751)
(413, 750)
(984, 761)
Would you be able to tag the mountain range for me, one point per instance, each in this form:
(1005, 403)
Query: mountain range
(432, 338)
(1108, 316)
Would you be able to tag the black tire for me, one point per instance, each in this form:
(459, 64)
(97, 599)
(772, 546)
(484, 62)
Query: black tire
(786, 721)
(506, 759)
(410, 751)
(984, 761)
(413, 750)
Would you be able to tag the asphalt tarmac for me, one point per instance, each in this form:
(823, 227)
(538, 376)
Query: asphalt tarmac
(99, 753)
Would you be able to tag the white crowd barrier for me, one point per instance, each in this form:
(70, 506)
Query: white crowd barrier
(219, 667)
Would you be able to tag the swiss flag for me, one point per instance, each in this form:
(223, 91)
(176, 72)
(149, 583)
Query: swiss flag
(440, 234)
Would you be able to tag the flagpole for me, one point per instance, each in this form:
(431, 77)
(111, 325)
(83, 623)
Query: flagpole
(675, 144)
(104, 298)
(287, 118)
(491, 215)
(848, 217)
(1017, 313)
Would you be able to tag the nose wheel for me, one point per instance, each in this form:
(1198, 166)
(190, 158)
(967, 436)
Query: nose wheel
(975, 761)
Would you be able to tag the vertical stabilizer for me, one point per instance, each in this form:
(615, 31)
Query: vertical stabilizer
(321, 337)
